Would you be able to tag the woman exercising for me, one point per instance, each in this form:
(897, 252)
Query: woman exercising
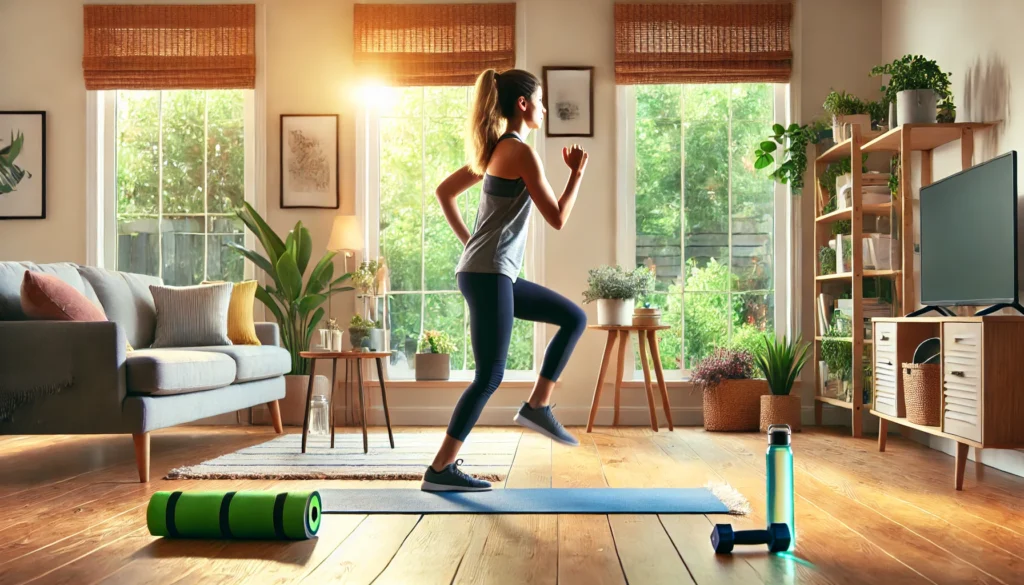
(506, 107)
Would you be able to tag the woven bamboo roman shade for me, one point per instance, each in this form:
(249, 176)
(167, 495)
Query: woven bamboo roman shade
(170, 47)
(433, 44)
(702, 43)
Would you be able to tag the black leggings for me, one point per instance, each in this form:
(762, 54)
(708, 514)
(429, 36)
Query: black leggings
(493, 302)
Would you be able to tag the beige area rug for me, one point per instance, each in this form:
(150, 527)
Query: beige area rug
(486, 455)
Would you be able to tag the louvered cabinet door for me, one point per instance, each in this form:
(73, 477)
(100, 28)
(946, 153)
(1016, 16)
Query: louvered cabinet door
(887, 371)
(962, 379)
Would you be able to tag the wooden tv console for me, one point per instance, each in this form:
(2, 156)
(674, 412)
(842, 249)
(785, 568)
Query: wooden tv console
(982, 361)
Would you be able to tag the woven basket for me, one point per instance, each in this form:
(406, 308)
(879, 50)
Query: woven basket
(734, 405)
(922, 392)
(780, 410)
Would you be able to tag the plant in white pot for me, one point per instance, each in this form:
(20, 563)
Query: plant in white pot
(366, 279)
(433, 361)
(616, 290)
(916, 85)
(845, 109)
(294, 303)
(780, 362)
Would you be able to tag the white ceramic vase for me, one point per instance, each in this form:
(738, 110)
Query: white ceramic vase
(615, 312)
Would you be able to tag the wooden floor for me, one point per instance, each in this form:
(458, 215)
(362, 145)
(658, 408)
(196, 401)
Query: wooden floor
(71, 512)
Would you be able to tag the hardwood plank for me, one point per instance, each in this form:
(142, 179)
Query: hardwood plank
(690, 534)
(519, 548)
(364, 555)
(586, 547)
(646, 552)
(435, 548)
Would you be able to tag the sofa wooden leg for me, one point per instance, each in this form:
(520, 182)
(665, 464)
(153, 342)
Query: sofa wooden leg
(142, 455)
(275, 416)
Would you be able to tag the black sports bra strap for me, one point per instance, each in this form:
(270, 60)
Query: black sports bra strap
(510, 135)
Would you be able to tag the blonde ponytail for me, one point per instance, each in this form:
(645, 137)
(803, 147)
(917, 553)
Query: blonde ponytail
(486, 122)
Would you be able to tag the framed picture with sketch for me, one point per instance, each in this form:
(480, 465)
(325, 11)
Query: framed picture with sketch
(569, 100)
(309, 161)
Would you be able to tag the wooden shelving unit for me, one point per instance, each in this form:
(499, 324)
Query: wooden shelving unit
(902, 140)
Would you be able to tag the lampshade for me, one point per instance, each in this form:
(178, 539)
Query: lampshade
(345, 234)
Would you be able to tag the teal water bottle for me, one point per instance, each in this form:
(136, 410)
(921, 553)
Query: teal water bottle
(779, 467)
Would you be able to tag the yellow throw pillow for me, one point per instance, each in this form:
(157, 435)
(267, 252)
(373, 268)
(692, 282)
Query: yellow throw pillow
(241, 326)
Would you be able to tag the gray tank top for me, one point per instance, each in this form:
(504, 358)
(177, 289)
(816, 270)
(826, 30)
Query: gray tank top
(498, 242)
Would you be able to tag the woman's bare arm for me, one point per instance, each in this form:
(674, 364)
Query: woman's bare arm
(556, 211)
(448, 191)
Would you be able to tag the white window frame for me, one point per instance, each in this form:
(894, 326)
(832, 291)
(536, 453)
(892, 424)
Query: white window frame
(368, 212)
(101, 155)
(625, 227)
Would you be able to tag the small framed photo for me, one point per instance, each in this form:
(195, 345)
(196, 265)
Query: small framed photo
(309, 161)
(569, 99)
(22, 165)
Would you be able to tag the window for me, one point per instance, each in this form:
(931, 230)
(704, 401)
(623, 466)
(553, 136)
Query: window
(180, 173)
(414, 139)
(701, 216)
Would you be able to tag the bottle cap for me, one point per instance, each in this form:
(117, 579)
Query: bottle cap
(779, 434)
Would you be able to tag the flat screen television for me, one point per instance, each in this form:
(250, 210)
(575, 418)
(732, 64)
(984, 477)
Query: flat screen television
(969, 236)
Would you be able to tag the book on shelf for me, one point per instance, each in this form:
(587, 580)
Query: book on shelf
(825, 308)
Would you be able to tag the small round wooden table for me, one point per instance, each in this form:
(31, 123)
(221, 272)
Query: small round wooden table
(347, 356)
(622, 334)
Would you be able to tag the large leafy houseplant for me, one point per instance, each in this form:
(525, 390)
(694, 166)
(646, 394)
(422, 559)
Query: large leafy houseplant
(780, 362)
(294, 303)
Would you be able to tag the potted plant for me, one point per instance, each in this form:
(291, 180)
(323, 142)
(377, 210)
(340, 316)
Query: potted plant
(846, 109)
(615, 290)
(359, 332)
(731, 397)
(837, 353)
(916, 85)
(780, 362)
(294, 303)
(827, 260)
(366, 279)
(433, 361)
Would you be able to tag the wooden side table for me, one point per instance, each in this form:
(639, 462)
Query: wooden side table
(622, 334)
(348, 356)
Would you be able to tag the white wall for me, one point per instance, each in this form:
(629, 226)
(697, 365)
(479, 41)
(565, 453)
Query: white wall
(978, 42)
(307, 66)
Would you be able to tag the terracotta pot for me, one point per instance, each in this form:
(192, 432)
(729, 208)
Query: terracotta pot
(293, 405)
(780, 410)
(433, 366)
(734, 405)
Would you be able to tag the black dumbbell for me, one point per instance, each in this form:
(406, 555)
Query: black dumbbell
(777, 537)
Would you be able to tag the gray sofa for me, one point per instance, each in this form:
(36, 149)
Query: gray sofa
(59, 377)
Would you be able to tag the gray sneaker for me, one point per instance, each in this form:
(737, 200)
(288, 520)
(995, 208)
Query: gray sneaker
(452, 479)
(543, 421)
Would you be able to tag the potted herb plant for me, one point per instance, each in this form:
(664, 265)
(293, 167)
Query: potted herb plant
(731, 396)
(366, 278)
(837, 353)
(846, 109)
(780, 362)
(615, 290)
(916, 85)
(359, 330)
(294, 303)
(433, 361)
(827, 260)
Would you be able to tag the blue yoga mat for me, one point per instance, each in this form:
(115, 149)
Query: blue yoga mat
(525, 501)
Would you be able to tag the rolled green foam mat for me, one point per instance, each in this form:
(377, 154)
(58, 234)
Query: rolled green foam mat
(245, 514)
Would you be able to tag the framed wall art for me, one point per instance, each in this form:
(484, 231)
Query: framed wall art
(309, 161)
(569, 99)
(23, 165)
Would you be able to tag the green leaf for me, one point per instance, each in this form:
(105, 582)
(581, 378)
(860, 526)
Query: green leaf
(266, 299)
(291, 280)
(311, 327)
(768, 146)
(310, 302)
(255, 257)
(321, 274)
(303, 248)
(271, 241)
(763, 161)
(342, 279)
(778, 129)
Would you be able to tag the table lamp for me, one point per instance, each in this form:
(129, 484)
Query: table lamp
(346, 237)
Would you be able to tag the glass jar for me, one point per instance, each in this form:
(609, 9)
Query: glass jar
(319, 416)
